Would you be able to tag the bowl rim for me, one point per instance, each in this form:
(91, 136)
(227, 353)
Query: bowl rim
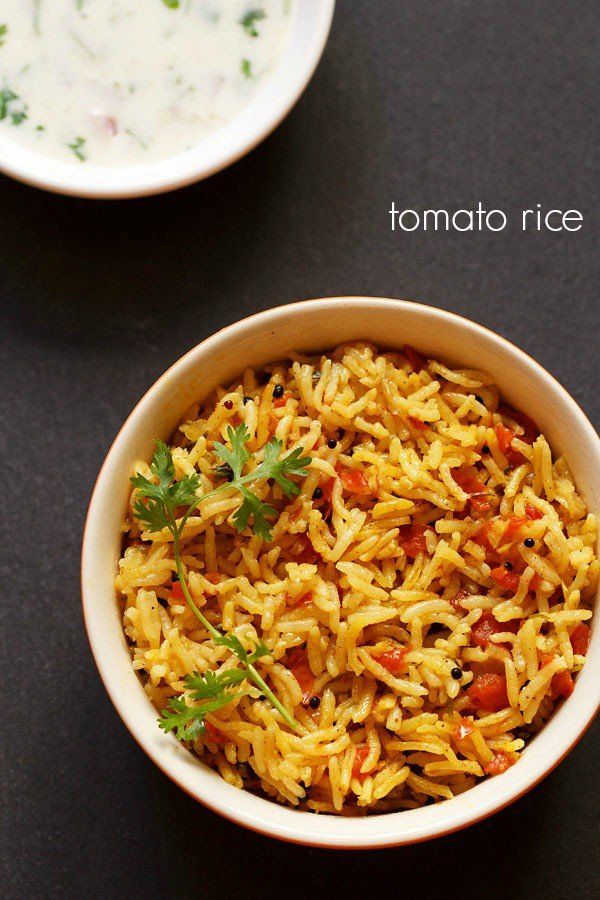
(220, 149)
(247, 819)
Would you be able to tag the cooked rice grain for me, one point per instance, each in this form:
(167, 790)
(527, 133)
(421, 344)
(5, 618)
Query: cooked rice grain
(379, 593)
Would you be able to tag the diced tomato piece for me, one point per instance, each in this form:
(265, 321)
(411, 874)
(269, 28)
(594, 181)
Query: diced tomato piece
(488, 692)
(306, 553)
(461, 595)
(532, 512)
(492, 667)
(328, 489)
(505, 578)
(417, 360)
(297, 663)
(213, 577)
(498, 764)
(281, 401)
(530, 428)
(487, 626)
(481, 505)
(296, 656)
(362, 751)
(214, 734)
(302, 600)
(177, 591)
(417, 423)
(393, 660)
(354, 481)
(463, 729)
(534, 584)
(515, 523)
(483, 537)
(468, 481)
(580, 639)
(505, 438)
(562, 685)
(412, 539)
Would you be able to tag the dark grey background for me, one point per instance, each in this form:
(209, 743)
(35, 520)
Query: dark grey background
(425, 102)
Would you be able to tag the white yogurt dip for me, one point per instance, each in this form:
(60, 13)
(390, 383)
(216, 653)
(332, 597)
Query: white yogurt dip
(117, 82)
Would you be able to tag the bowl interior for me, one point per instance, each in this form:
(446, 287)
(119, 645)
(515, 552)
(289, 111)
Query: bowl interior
(306, 40)
(310, 326)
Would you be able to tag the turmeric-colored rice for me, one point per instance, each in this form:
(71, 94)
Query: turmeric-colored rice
(424, 598)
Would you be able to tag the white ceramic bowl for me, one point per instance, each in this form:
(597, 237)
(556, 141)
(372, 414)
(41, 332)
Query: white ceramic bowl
(308, 33)
(317, 325)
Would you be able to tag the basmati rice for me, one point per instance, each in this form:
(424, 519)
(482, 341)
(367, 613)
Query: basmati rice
(425, 609)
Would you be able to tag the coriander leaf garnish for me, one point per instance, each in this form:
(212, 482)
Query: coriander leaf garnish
(253, 506)
(171, 4)
(246, 67)
(7, 107)
(207, 686)
(19, 115)
(3, 33)
(273, 467)
(158, 505)
(6, 98)
(77, 146)
(188, 721)
(156, 509)
(249, 20)
(238, 456)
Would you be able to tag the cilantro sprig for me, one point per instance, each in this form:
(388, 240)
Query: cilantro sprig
(158, 504)
(249, 20)
(188, 722)
(7, 107)
(77, 145)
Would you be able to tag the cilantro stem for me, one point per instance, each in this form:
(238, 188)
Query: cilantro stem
(186, 591)
(261, 683)
(242, 480)
(253, 673)
(156, 510)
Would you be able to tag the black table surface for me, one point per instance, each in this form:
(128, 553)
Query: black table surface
(430, 103)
